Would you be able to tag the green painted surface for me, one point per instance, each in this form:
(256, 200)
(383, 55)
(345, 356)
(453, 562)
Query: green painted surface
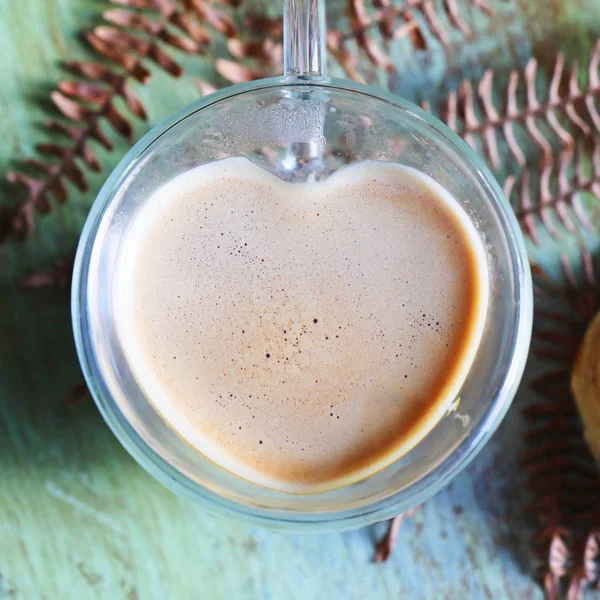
(79, 519)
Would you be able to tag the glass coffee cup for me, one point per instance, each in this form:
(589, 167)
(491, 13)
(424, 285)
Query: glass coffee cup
(303, 126)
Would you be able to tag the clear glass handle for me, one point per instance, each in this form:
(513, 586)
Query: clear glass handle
(304, 41)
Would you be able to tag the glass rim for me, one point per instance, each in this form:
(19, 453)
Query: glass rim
(379, 510)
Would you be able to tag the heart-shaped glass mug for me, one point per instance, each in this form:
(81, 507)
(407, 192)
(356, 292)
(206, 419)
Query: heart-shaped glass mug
(302, 125)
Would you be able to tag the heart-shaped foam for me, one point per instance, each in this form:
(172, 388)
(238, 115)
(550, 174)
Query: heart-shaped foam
(302, 336)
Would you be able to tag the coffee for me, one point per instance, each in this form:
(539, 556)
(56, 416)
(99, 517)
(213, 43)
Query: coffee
(302, 336)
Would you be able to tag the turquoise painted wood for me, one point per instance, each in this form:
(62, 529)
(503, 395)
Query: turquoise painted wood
(80, 520)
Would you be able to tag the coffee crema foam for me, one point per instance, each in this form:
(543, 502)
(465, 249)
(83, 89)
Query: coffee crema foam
(302, 336)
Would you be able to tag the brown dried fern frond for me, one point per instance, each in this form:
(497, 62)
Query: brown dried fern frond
(556, 560)
(569, 111)
(552, 141)
(585, 572)
(395, 21)
(385, 547)
(137, 33)
(86, 106)
(57, 276)
(561, 475)
(554, 193)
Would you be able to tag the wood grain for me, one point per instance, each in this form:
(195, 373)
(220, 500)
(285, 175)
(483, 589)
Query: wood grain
(79, 519)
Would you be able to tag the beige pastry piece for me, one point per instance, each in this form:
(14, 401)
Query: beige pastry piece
(585, 383)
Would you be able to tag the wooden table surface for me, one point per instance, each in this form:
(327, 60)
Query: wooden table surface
(80, 519)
